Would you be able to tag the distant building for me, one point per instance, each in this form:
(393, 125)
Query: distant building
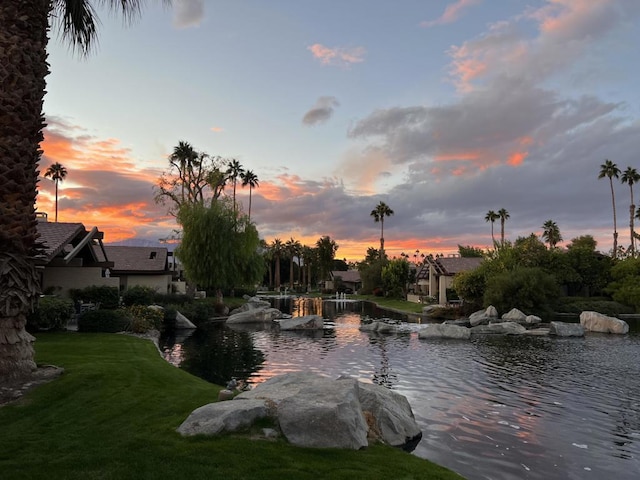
(436, 275)
(72, 257)
(143, 266)
(350, 280)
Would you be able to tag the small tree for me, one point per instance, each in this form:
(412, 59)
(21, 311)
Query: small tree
(395, 277)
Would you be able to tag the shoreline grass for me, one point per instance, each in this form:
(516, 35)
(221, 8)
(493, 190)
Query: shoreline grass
(113, 415)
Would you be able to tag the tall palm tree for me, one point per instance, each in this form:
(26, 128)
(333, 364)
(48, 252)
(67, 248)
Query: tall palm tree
(57, 173)
(491, 216)
(276, 248)
(292, 247)
(631, 176)
(382, 210)
(504, 216)
(234, 172)
(326, 250)
(251, 179)
(551, 233)
(611, 170)
(24, 27)
(183, 155)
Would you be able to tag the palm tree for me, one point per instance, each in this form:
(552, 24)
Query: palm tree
(504, 216)
(326, 249)
(234, 172)
(183, 155)
(293, 250)
(24, 28)
(610, 169)
(276, 248)
(551, 233)
(251, 179)
(382, 210)
(631, 176)
(57, 173)
(491, 216)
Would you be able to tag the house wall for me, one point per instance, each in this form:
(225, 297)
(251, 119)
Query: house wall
(62, 279)
(160, 283)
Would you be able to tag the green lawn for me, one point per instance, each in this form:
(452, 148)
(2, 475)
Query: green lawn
(393, 303)
(113, 415)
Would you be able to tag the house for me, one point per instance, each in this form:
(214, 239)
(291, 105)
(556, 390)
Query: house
(141, 266)
(436, 275)
(72, 257)
(350, 280)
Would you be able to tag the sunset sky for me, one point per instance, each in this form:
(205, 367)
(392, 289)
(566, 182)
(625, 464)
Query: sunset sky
(442, 109)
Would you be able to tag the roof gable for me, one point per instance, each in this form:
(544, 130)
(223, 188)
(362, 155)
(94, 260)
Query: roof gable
(56, 236)
(137, 259)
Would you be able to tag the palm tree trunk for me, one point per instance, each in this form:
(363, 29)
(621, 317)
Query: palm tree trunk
(381, 235)
(632, 209)
(615, 221)
(250, 188)
(493, 238)
(502, 232)
(23, 68)
(56, 201)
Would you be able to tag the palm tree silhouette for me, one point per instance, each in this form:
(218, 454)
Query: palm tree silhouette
(382, 210)
(184, 155)
(251, 179)
(276, 248)
(492, 216)
(631, 176)
(234, 171)
(611, 170)
(504, 215)
(57, 173)
(551, 233)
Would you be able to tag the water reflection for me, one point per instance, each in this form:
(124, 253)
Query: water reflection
(503, 408)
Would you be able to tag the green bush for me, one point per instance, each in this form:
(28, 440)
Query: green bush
(144, 318)
(138, 295)
(602, 305)
(171, 299)
(51, 313)
(108, 321)
(103, 296)
(528, 289)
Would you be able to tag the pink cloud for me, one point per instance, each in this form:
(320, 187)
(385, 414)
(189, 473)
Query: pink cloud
(337, 56)
(451, 13)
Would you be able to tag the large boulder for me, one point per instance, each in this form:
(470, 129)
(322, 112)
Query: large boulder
(253, 303)
(306, 322)
(483, 317)
(315, 411)
(514, 315)
(324, 414)
(215, 418)
(389, 416)
(597, 322)
(442, 330)
(379, 327)
(183, 322)
(564, 329)
(503, 328)
(255, 315)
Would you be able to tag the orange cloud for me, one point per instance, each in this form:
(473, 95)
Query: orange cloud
(516, 158)
(451, 13)
(217, 129)
(337, 56)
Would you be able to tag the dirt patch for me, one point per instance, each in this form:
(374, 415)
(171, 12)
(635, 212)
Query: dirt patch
(13, 390)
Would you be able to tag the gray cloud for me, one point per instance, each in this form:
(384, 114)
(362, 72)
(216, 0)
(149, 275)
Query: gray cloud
(321, 111)
(188, 13)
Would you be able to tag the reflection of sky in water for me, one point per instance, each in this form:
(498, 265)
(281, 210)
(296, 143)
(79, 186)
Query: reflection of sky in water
(503, 408)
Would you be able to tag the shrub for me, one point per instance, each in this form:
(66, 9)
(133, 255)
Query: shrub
(51, 313)
(138, 295)
(103, 296)
(378, 292)
(108, 321)
(171, 299)
(144, 318)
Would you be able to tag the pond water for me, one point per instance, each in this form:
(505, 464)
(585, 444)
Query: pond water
(494, 407)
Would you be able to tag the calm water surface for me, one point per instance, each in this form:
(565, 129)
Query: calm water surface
(490, 408)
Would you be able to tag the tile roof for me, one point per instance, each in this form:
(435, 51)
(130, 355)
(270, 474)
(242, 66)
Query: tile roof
(55, 236)
(352, 276)
(137, 259)
(448, 265)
